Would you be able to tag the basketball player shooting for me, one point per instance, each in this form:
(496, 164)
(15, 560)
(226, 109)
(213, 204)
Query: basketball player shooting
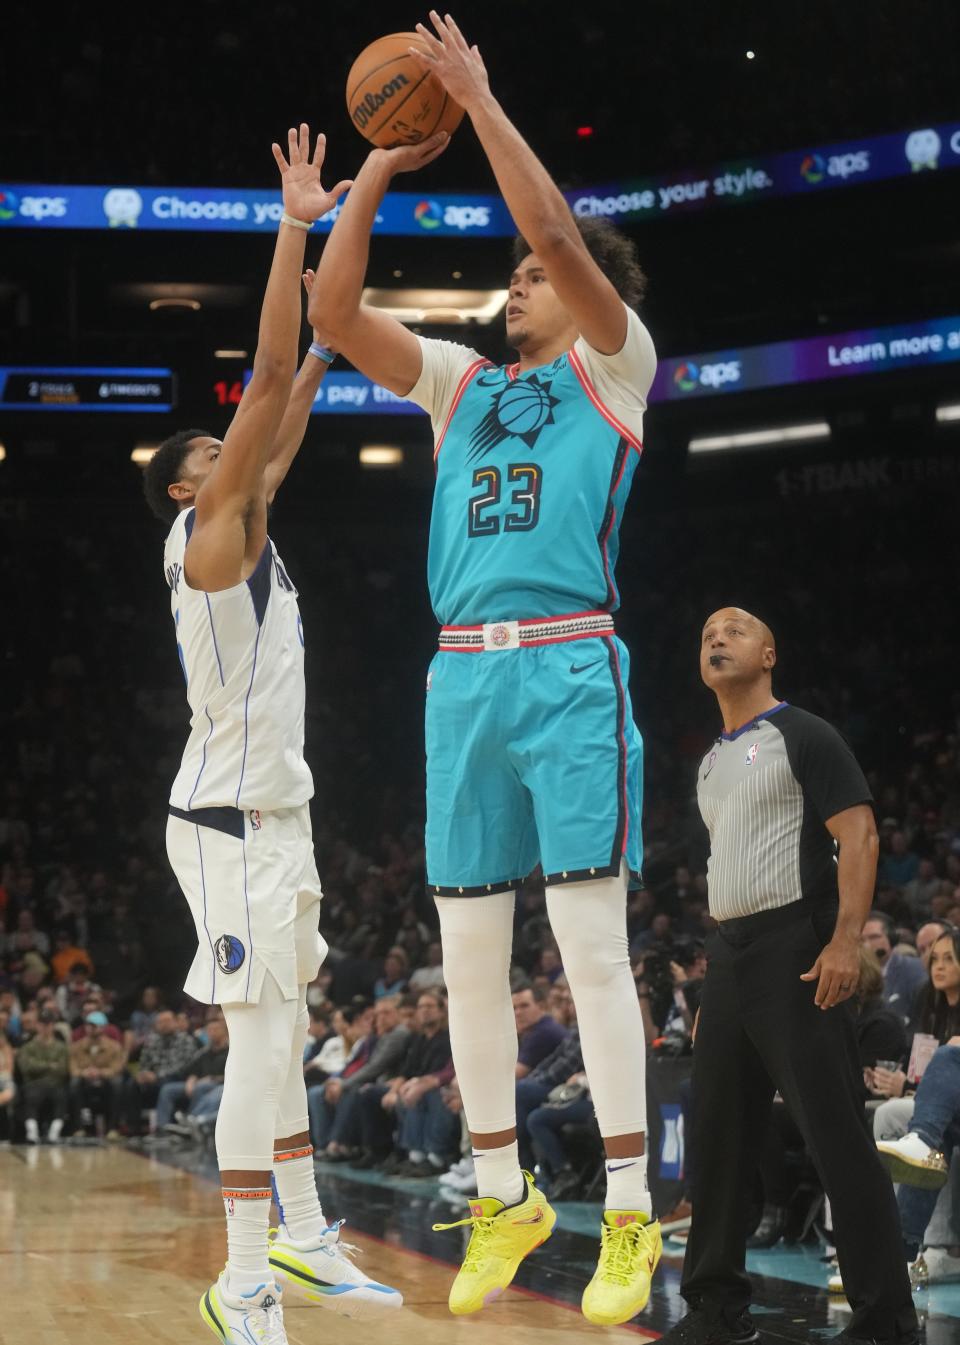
(238, 834)
(532, 754)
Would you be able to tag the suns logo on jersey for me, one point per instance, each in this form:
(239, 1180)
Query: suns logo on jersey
(520, 410)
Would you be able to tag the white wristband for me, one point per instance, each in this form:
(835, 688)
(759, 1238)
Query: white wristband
(297, 223)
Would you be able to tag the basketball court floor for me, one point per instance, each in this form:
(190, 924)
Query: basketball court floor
(107, 1246)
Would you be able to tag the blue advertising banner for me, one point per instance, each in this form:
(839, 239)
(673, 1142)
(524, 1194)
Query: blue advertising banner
(686, 377)
(875, 350)
(222, 209)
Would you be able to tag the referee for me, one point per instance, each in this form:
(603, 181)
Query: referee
(779, 791)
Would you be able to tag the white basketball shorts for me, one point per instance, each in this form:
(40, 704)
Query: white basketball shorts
(250, 880)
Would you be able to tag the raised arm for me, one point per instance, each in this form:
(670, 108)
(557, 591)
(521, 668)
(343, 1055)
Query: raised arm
(230, 530)
(539, 211)
(293, 426)
(375, 343)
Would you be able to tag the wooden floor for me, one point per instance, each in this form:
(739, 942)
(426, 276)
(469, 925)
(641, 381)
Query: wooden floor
(105, 1247)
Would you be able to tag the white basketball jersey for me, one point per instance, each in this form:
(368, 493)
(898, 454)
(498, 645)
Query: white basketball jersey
(242, 656)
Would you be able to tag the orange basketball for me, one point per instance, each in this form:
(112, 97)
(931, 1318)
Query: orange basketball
(392, 100)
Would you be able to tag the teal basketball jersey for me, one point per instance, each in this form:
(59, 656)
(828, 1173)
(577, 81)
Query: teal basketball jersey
(533, 473)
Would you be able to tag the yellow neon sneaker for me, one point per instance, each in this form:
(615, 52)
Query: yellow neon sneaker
(630, 1250)
(502, 1236)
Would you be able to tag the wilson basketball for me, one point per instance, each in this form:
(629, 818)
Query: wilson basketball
(394, 101)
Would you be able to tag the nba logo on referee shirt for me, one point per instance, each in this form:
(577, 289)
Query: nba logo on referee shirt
(255, 821)
(230, 953)
(752, 751)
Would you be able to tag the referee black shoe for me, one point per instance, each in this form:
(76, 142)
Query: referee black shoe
(701, 1328)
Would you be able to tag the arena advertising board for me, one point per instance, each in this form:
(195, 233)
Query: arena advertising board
(32, 388)
(801, 172)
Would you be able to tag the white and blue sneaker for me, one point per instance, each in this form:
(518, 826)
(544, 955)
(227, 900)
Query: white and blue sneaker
(239, 1319)
(325, 1274)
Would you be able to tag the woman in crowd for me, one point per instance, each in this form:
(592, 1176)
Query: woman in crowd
(920, 1158)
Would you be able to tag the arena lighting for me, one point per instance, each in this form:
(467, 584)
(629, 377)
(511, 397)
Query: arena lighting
(142, 454)
(193, 305)
(3, 452)
(774, 434)
(948, 411)
(381, 455)
(584, 132)
(446, 307)
(751, 55)
(230, 354)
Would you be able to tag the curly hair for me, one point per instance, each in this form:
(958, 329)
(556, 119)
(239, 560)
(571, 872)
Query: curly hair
(614, 253)
(164, 468)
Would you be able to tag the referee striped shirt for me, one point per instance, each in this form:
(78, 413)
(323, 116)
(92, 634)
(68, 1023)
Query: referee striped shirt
(765, 792)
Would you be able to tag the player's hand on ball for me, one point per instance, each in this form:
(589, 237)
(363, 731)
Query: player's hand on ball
(304, 197)
(458, 66)
(409, 158)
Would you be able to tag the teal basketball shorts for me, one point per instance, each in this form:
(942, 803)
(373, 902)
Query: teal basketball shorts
(532, 756)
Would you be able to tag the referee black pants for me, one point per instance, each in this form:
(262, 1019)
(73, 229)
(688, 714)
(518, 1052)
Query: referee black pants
(760, 1032)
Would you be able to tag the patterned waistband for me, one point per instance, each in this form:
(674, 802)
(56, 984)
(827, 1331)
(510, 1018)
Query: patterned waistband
(497, 636)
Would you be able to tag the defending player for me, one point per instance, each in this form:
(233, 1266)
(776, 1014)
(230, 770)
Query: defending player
(532, 754)
(238, 835)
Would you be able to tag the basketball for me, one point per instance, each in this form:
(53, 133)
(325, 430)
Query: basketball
(392, 100)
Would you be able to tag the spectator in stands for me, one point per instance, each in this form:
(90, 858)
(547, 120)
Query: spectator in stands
(927, 936)
(430, 977)
(537, 1032)
(96, 1003)
(341, 1096)
(355, 1024)
(198, 1083)
(10, 1006)
(43, 1063)
(560, 1004)
(165, 1057)
(411, 1101)
(97, 1077)
(553, 1070)
(66, 956)
(8, 1089)
(142, 1019)
(396, 966)
(920, 1159)
(899, 865)
(902, 976)
(72, 993)
(326, 1056)
(25, 938)
(920, 891)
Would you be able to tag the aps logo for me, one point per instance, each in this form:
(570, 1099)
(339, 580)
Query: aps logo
(9, 204)
(687, 376)
(37, 208)
(814, 167)
(428, 215)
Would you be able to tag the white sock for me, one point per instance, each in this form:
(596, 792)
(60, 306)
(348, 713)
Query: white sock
(297, 1196)
(498, 1173)
(248, 1219)
(32, 1130)
(627, 1185)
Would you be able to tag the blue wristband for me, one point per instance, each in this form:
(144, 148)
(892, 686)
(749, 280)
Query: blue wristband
(323, 352)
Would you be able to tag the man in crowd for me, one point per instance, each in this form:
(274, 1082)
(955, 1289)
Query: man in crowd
(197, 1080)
(44, 1065)
(165, 1056)
(538, 1033)
(412, 1101)
(341, 1096)
(902, 976)
(97, 1077)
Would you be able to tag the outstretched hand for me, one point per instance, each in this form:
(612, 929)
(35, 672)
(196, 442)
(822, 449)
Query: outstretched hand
(458, 66)
(304, 197)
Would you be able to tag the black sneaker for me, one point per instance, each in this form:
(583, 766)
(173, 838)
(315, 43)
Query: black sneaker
(700, 1328)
